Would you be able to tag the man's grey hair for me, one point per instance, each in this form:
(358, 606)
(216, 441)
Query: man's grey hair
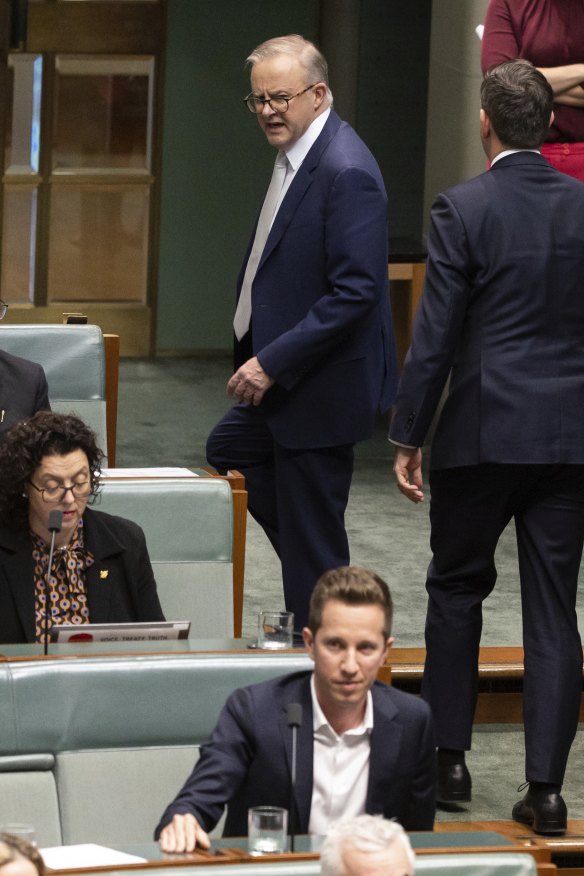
(305, 52)
(367, 833)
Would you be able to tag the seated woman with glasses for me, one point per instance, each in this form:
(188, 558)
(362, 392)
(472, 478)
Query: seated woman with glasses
(101, 571)
(23, 387)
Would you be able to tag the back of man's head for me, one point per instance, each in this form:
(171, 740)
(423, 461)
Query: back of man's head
(518, 100)
(367, 845)
(353, 586)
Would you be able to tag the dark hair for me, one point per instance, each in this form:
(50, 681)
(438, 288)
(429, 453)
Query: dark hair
(11, 846)
(24, 447)
(354, 586)
(518, 100)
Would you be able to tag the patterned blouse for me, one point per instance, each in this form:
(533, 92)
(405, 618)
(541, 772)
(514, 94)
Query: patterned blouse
(67, 594)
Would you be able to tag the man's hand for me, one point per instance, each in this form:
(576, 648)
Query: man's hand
(407, 466)
(249, 383)
(183, 834)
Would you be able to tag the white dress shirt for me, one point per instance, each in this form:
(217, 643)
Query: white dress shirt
(298, 152)
(340, 768)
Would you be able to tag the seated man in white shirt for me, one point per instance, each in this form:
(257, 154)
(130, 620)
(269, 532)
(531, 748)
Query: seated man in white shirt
(363, 747)
(367, 846)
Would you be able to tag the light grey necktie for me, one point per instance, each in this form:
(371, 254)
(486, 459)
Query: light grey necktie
(242, 317)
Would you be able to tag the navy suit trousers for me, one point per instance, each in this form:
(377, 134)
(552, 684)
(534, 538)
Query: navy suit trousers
(298, 497)
(470, 508)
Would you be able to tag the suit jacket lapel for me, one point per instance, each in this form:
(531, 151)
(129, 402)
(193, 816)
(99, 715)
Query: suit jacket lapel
(299, 185)
(102, 544)
(386, 739)
(19, 571)
(303, 790)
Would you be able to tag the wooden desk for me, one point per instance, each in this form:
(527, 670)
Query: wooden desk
(565, 852)
(234, 851)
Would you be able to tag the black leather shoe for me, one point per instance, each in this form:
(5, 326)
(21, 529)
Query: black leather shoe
(544, 811)
(454, 783)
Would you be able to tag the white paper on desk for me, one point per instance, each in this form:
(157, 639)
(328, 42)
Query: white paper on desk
(155, 472)
(86, 855)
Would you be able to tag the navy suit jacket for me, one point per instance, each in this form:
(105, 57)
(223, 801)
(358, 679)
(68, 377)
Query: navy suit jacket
(503, 307)
(321, 322)
(23, 390)
(120, 584)
(248, 759)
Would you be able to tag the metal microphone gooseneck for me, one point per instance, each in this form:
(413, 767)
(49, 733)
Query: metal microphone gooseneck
(55, 524)
(294, 721)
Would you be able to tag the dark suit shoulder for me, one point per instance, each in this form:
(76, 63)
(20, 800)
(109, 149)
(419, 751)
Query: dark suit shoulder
(111, 531)
(283, 689)
(387, 697)
(21, 367)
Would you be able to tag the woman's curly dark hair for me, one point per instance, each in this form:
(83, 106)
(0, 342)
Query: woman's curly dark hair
(12, 846)
(24, 447)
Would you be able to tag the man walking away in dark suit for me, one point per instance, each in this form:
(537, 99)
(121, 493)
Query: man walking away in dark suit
(314, 354)
(362, 745)
(503, 312)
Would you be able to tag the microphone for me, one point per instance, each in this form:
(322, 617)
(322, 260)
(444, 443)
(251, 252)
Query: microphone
(294, 721)
(55, 524)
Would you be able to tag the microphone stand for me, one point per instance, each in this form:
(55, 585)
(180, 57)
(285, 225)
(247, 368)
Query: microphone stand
(55, 524)
(294, 721)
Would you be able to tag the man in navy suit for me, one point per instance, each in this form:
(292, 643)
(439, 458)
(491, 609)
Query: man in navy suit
(362, 746)
(314, 351)
(503, 312)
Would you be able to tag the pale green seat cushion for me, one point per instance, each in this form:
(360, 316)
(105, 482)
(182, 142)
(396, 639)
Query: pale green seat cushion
(30, 797)
(118, 795)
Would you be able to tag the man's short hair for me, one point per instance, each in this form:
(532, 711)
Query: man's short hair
(367, 833)
(305, 52)
(354, 586)
(518, 100)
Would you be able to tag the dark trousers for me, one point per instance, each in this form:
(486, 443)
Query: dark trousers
(470, 507)
(298, 497)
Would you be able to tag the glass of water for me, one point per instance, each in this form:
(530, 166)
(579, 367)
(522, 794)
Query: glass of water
(267, 830)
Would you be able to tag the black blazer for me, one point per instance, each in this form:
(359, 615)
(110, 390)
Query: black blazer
(23, 390)
(247, 760)
(120, 583)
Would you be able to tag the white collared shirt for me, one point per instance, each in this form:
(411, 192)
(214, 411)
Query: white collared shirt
(298, 152)
(507, 152)
(340, 768)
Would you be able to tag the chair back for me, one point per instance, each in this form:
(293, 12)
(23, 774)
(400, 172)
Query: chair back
(73, 359)
(188, 523)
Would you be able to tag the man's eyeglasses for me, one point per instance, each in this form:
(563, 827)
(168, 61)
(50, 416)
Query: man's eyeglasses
(3, 309)
(278, 104)
(80, 489)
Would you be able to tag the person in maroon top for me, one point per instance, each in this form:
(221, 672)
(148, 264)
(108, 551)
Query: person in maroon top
(550, 34)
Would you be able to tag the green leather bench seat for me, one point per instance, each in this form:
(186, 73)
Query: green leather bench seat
(188, 523)
(93, 748)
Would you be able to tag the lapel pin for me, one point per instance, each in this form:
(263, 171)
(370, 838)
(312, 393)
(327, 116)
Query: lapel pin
(103, 573)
